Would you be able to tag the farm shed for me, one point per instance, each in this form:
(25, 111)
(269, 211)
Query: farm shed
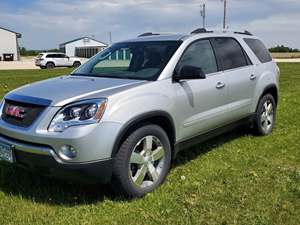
(9, 46)
(84, 47)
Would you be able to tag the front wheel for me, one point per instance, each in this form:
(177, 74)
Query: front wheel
(143, 162)
(265, 115)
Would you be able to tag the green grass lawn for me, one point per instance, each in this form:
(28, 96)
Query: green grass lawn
(234, 179)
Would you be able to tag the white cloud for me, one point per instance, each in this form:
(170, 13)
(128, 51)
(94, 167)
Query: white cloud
(47, 23)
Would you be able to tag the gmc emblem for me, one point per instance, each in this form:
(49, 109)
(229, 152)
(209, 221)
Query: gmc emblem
(15, 111)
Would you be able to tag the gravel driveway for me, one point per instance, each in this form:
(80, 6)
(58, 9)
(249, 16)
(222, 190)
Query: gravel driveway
(24, 63)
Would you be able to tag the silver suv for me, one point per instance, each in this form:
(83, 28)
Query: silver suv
(49, 60)
(122, 116)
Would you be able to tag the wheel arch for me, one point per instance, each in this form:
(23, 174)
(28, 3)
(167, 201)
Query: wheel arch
(50, 62)
(271, 89)
(160, 118)
(76, 61)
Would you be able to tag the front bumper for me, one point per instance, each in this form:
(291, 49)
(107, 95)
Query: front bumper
(92, 142)
(43, 159)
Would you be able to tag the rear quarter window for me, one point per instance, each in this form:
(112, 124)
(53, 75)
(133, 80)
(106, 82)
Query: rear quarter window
(40, 56)
(259, 50)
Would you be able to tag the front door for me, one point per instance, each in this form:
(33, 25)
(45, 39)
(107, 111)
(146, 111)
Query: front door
(202, 102)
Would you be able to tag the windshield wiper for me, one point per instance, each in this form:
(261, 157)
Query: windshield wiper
(79, 74)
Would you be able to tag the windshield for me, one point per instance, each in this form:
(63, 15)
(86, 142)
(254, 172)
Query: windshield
(137, 60)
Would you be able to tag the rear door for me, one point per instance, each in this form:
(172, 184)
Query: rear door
(201, 103)
(66, 61)
(240, 74)
(60, 60)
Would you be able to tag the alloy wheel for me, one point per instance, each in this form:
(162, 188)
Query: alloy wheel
(267, 116)
(146, 162)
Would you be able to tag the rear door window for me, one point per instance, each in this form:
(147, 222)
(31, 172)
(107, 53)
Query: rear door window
(259, 50)
(58, 56)
(50, 56)
(230, 53)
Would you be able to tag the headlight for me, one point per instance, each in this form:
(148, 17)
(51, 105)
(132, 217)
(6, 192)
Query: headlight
(77, 114)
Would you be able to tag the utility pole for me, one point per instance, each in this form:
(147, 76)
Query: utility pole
(203, 13)
(110, 37)
(225, 15)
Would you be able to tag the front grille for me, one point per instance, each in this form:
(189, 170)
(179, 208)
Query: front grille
(30, 114)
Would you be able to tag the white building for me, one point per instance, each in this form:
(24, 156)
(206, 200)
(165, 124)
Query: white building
(9, 44)
(84, 47)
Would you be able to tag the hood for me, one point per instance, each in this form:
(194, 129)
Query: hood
(64, 90)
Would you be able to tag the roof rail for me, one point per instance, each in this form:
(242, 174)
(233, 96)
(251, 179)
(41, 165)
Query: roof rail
(200, 31)
(245, 32)
(147, 34)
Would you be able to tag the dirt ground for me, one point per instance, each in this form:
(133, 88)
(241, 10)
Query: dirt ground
(24, 63)
(286, 55)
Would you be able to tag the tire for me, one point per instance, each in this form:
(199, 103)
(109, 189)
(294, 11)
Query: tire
(135, 171)
(265, 116)
(50, 65)
(76, 64)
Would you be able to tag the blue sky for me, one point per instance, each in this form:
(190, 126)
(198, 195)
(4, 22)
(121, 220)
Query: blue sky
(45, 24)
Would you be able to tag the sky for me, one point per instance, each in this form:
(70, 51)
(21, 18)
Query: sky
(45, 24)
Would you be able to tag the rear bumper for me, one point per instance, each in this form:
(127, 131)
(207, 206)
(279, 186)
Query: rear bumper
(43, 160)
(39, 63)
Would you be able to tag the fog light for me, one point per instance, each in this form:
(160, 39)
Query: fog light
(67, 152)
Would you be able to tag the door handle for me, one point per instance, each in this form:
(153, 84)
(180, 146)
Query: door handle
(252, 77)
(220, 85)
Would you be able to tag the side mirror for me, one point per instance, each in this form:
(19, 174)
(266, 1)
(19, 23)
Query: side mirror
(189, 73)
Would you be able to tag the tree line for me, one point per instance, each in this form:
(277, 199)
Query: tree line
(282, 48)
(25, 52)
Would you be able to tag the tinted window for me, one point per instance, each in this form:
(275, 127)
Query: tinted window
(259, 50)
(199, 54)
(50, 56)
(55, 56)
(59, 56)
(230, 53)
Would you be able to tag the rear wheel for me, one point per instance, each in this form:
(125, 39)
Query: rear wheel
(143, 162)
(50, 65)
(76, 64)
(265, 115)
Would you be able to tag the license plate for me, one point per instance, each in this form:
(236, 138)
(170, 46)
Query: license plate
(6, 152)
